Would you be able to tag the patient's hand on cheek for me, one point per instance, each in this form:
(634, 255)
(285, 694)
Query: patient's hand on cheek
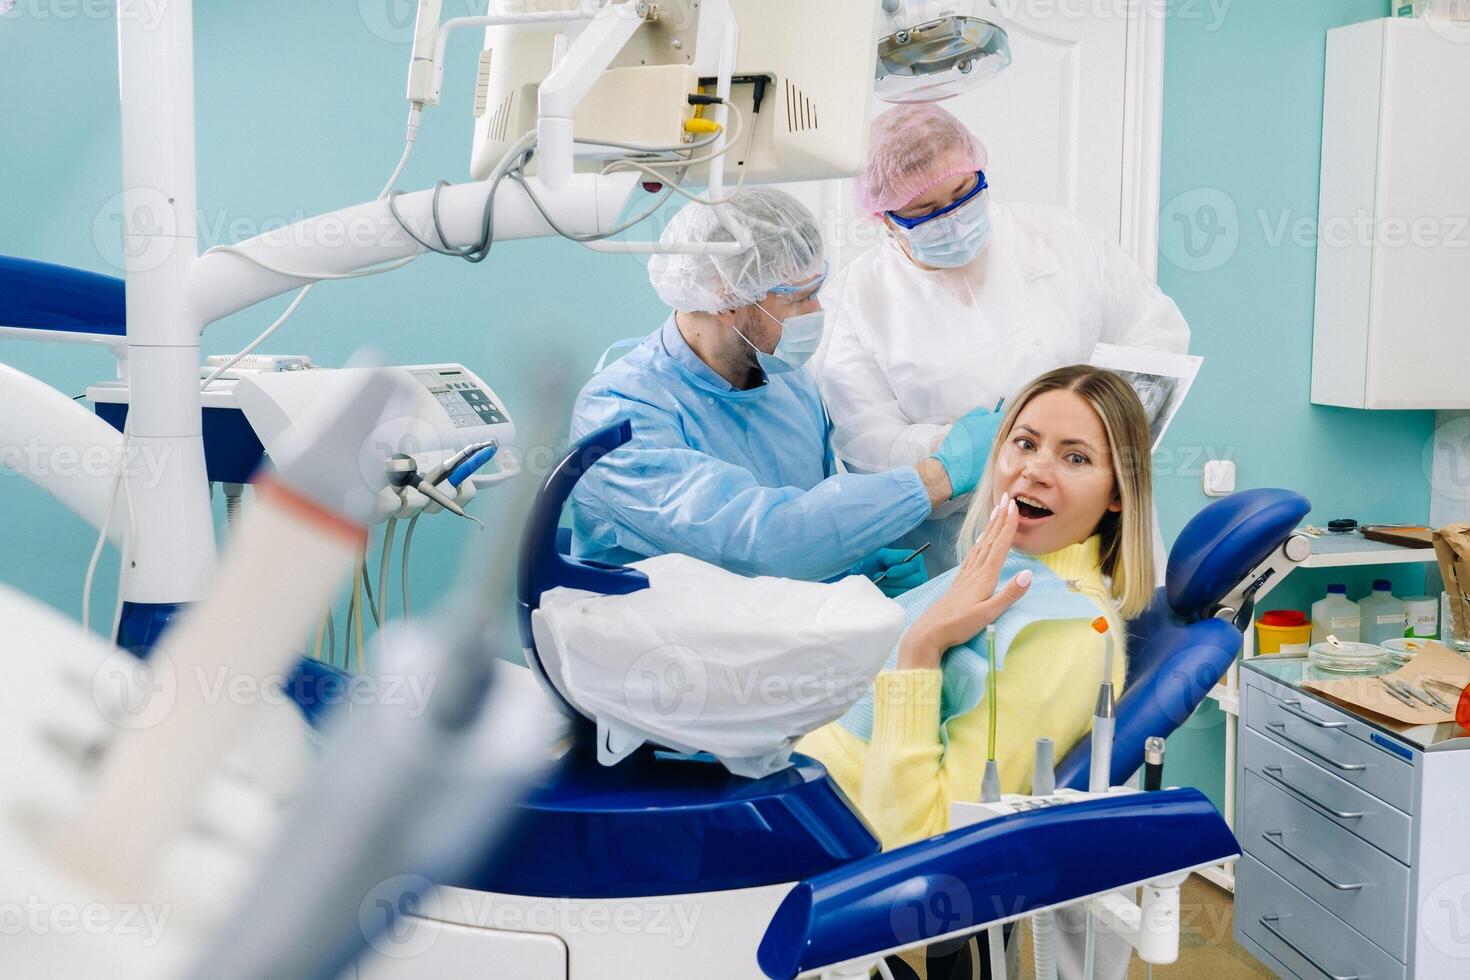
(972, 602)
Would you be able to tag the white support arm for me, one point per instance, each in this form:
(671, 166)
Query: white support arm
(729, 49)
(62, 448)
(572, 77)
(364, 235)
(587, 12)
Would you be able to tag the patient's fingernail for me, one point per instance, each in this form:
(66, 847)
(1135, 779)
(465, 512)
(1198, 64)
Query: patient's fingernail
(1024, 579)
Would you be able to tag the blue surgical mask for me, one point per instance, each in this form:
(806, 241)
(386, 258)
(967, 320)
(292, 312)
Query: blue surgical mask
(954, 239)
(800, 337)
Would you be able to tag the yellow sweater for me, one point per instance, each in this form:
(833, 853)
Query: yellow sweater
(903, 781)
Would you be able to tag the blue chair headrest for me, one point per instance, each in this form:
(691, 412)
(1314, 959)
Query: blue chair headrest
(1225, 541)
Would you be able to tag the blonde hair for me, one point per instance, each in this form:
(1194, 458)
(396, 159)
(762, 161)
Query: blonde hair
(1127, 549)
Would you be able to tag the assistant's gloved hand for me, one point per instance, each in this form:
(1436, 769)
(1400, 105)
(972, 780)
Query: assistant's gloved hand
(901, 575)
(965, 450)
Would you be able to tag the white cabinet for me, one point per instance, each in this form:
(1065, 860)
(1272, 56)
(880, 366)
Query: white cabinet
(1393, 250)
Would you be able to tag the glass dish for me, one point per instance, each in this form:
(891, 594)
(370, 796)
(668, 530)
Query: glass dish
(1349, 658)
(1404, 649)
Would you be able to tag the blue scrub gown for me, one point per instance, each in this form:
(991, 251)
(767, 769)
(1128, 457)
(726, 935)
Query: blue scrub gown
(741, 479)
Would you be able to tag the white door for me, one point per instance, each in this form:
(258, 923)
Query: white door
(1072, 122)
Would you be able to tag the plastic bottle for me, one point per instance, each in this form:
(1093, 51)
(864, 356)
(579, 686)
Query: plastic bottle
(1336, 615)
(1384, 617)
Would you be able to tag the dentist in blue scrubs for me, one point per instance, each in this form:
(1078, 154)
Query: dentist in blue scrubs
(731, 460)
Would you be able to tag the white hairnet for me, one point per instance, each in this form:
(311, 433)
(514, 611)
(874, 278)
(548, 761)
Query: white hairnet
(784, 246)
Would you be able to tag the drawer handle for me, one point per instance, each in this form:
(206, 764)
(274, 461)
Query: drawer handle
(1279, 727)
(1295, 708)
(1267, 922)
(1275, 773)
(1276, 840)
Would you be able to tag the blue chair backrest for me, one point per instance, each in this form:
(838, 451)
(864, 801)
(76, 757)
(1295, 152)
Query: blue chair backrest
(1177, 651)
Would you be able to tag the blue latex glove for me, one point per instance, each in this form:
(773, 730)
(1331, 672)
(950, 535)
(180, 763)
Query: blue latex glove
(965, 450)
(901, 575)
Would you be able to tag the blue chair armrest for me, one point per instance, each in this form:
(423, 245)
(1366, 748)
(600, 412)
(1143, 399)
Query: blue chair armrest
(964, 879)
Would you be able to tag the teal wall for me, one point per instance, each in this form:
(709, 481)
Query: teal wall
(1242, 129)
(1242, 146)
(300, 110)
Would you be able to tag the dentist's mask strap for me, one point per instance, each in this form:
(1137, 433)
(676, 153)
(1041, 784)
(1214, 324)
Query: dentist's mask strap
(801, 335)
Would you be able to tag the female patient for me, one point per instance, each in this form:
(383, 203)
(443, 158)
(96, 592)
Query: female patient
(1069, 483)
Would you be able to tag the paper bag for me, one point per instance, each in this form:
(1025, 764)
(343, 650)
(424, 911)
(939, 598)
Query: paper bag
(1452, 548)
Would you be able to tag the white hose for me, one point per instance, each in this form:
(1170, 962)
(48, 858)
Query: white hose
(997, 946)
(1044, 943)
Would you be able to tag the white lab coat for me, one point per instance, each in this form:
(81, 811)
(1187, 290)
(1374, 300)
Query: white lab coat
(909, 350)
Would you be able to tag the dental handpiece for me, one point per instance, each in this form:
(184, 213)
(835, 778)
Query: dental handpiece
(990, 791)
(1103, 719)
(403, 472)
(436, 475)
(1153, 764)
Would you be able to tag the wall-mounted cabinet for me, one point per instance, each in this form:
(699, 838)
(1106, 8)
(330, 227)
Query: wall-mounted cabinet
(1393, 250)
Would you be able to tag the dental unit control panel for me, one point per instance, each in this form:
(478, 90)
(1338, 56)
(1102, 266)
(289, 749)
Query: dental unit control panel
(249, 409)
(463, 396)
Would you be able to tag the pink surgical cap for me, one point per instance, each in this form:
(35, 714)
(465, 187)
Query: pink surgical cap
(911, 150)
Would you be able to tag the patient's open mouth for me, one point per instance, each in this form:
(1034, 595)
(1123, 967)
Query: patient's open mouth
(1032, 509)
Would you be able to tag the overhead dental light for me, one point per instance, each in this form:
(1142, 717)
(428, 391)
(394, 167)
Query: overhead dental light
(935, 49)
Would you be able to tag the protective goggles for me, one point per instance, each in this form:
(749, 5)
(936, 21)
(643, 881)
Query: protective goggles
(807, 289)
(911, 223)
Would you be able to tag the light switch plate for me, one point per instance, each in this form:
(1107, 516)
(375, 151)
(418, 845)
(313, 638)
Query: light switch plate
(1219, 478)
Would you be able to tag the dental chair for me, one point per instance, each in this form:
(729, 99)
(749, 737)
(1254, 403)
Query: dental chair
(670, 866)
(1189, 636)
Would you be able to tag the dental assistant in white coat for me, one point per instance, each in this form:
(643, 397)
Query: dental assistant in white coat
(964, 302)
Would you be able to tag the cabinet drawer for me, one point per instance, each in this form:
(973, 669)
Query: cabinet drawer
(1344, 874)
(1326, 736)
(1303, 936)
(1341, 802)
